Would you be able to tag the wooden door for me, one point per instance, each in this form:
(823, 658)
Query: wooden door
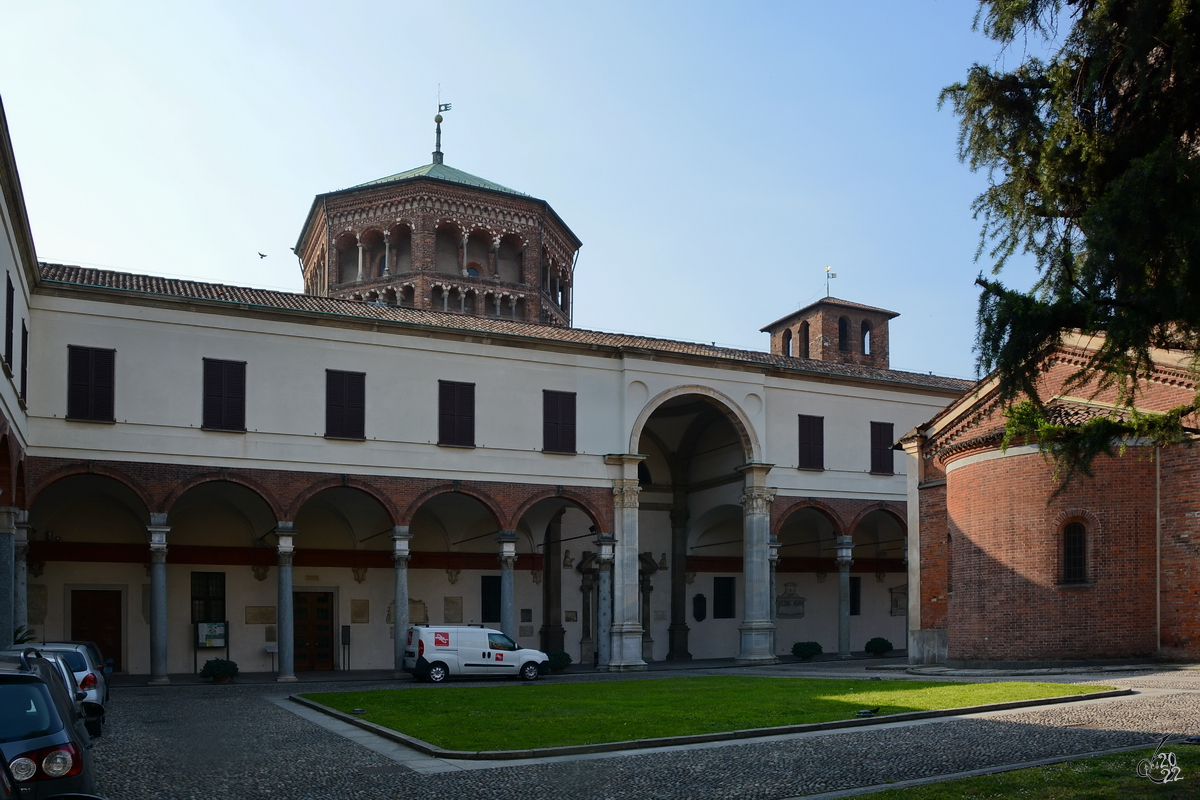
(313, 629)
(96, 617)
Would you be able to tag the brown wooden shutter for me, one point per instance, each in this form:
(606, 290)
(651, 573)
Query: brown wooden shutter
(549, 420)
(566, 422)
(356, 405)
(464, 409)
(9, 313)
(79, 382)
(881, 447)
(24, 361)
(103, 379)
(335, 403)
(446, 417)
(812, 442)
(235, 396)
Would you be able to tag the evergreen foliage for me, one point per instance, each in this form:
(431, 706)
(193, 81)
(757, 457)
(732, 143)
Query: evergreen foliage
(1093, 160)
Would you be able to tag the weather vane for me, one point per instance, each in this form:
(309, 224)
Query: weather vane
(437, 150)
(828, 275)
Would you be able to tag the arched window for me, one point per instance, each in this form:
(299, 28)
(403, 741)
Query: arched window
(843, 335)
(787, 343)
(866, 338)
(802, 350)
(1074, 550)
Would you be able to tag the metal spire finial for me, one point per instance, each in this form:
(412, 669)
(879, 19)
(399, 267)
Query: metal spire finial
(437, 149)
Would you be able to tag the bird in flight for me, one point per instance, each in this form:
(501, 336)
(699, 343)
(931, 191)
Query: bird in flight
(262, 255)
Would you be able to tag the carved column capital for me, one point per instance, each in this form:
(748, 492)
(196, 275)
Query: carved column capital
(757, 499)
(625, 493)
(158, 555)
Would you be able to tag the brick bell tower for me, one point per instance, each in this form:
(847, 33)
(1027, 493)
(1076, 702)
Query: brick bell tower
(836, 331)
(441, 239)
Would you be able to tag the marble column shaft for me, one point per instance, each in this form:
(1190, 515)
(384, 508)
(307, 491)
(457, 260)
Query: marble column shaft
(627, 625)
(756, 628)
(8, 558)
(158, 531)
(400, 555)
(844, 544)
(508, 556)
(21, 572)
(286, 630)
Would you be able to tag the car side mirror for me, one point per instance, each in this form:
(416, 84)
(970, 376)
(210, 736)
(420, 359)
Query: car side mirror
(81, 695)
(108, 670)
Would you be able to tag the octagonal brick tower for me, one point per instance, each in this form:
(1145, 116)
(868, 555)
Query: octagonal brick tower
(441, 239)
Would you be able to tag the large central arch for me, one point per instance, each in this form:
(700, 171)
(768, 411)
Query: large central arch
(722, 402)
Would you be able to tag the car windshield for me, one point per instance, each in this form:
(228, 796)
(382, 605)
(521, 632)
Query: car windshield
(26, 712)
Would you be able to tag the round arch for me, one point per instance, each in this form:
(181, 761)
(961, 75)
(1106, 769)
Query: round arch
(351, 483)
(583, 503)
(732, 411)
(839, 527)
(86, 469)
(887, 508)
(488, 502)
(242, 480)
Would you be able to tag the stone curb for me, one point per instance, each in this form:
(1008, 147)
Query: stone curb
(953, 672)
(703, 738)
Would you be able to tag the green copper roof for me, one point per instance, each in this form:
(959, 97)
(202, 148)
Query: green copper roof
(443, 173)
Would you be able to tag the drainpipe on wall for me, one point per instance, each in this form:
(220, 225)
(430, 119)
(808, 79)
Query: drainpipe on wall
(1158, 551)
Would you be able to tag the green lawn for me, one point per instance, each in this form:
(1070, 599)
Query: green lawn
(547, 714)
(1111, 777)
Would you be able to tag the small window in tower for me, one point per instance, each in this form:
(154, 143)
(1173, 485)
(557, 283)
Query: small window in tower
(866, 338)
(473, 268)
(802, 350)
(787, 343)
(1074, 553)
(843, 335)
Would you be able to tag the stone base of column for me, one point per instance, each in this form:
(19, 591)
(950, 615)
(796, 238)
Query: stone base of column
(756, 643)
(163, 681)
(627, 649)
(286, 679)
(677, 642)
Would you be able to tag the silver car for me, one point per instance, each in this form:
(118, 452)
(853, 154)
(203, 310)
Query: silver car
(90, 676)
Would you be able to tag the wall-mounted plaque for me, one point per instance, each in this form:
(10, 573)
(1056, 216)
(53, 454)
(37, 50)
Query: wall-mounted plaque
(452, 610)
(571, 616)
(260, 615)
(789, 605)
(360, 611)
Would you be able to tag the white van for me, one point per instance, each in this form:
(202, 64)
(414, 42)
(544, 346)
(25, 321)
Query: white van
(435, 652)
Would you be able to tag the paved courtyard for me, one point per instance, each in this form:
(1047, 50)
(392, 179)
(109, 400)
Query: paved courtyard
(246, 741)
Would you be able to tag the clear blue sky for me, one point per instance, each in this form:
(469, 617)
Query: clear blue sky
(714, 158)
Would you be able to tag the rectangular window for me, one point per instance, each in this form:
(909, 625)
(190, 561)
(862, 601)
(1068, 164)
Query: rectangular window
(812, 443)
(345, 404)
(724, 605)
(24, 361)
(558, 421)
(208, 597)
(9, 312)
(90, 383)
(456, 413)
(855, 596)
(1075, 553)
(881, 448)
(224, 395)
(489, 598)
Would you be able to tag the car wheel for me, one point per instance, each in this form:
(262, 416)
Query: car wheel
(437, 673)
(529, 672)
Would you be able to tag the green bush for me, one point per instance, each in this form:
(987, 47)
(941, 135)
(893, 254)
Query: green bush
(878, 646)
(806, 650)
(559, 659)
(216, 668)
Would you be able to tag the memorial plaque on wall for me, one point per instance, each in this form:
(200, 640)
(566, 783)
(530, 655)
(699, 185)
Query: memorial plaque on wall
(35, 603)
(418, 612)
(260, 615)
(452, 610)
(360, 611)
(525, 630)
(789, 605)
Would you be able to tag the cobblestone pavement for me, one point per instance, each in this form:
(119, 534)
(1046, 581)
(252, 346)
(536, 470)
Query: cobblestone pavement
(208, 742)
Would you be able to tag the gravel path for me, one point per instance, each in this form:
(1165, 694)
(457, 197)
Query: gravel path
(232, 742)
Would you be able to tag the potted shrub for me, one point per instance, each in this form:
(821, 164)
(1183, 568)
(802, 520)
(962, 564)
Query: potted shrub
(879, 646)
(559, 660)
(806, 650)
(219, 670)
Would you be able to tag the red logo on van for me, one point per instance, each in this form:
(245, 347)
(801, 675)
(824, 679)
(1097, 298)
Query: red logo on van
(441, 640)
(499, 656)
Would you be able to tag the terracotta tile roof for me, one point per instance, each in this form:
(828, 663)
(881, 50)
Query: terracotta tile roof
(832, 301)
(265, 298)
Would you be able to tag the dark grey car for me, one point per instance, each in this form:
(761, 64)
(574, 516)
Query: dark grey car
(43, 738)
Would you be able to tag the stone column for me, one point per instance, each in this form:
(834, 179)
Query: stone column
(21, 573)
(552, 634)
(158, 530)
(494, 260)
(360, 262)
(845, 550)
(464, 269)
(286, 622)
(604, 600)
(400, 554)
(587, 642)
(8, 541)
(508, 555)
(646, 587)
(756, 627)
(387, 253)
(627, 626)
(677, 634)
(774, 560)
